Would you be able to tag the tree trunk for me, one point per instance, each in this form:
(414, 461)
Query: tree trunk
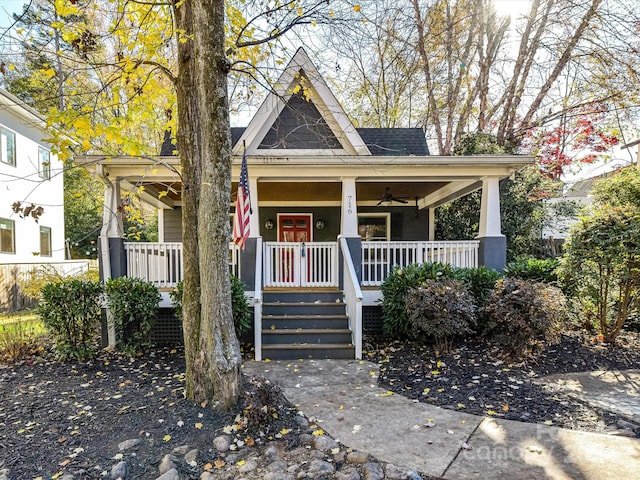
(211, 347)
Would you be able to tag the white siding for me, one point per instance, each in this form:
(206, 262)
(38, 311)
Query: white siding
(22, 183)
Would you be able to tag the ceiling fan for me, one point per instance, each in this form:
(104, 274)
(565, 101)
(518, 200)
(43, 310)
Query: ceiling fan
(388, 198)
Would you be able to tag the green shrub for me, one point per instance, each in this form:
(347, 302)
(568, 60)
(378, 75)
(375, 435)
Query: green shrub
(395, 322)
(480, 281)
(521, 312)
(545, 271)
(441, 309)
(239, 305)
(601, 268)
(70, 310)
(134, 307)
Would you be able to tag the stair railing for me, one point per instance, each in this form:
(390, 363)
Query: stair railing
(257, 302)
(352, 297)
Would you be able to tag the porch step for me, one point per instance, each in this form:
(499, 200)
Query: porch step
(305, 321)
(303, 308)
(310, 323)
(295, 351)
(306, 336)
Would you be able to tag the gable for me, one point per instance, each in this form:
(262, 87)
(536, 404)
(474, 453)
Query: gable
(300, 125)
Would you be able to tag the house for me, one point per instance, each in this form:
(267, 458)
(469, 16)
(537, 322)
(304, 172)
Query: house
(334, 209)
(31, 198)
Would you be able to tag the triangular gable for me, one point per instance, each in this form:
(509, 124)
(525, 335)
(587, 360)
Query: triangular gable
(301, 92)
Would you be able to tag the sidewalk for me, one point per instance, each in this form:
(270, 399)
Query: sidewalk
(343, 397)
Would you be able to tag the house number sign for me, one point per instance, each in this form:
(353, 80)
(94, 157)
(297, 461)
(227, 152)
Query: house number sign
(349, 208)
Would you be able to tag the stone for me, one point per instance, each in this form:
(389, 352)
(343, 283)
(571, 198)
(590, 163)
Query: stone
(392, 472)
(372, 471)
(320, 468)
(306, 439)
(222, 443)
(168, 463)
(277, 466)
(623, 424)
(191, 455)
(182, 450)
(301, 422)
(3, 476)
(66, 476)
(170, 475)
(207, 476)
(339, 457)
(317, 454)
(272, 452)
(357, 457)
(324, 443)
(248, 466)
(348, 474)
(129, 444)
(120, 470)
(623, 433)
(278, 476)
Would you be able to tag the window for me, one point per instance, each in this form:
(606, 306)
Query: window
(7, 236)
(45, 241)
(7, 147)
(374, 227)
(44, 163)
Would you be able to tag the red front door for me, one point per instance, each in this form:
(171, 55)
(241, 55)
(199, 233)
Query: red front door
(292, 229)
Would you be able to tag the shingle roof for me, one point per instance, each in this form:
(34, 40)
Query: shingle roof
(380, 141)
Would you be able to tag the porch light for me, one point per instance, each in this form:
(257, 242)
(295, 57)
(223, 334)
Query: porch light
(320, 224)
(269, 224)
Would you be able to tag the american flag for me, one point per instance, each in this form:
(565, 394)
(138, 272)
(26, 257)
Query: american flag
(243, 207)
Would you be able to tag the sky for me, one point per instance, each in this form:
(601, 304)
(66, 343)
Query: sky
(7, 8)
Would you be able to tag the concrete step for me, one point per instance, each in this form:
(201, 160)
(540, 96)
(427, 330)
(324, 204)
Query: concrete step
(317, 351)
(305, 321)
(306, 336)
(301, 295)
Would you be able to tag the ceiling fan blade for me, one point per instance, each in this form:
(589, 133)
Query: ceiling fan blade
(399, 200)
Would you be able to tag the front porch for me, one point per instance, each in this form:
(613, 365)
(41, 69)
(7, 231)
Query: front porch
(308, 298)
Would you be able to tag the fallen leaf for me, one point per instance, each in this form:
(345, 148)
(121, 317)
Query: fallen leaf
(284, 431)
(219, 463)
(65, 462)
(318, 432)
(250, 441)
(166, 438)
(461, 405)
(198, 425)
(505, 407)
(240, 463)
(492, 412)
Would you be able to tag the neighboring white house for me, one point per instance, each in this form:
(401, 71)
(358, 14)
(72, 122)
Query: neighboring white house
(32, 175)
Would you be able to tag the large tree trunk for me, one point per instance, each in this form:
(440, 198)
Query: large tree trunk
(211, 347)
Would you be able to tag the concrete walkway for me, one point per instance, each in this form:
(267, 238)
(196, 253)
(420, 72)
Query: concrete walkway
(343, 397)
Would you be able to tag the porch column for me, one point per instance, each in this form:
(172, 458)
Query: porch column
(254, 218)
(432, 224)
(112, 255)
(349, 215)
(493, 244)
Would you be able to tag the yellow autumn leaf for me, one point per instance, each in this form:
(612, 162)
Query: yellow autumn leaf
(388, 393)
(440, 390)
(198, 425)
(219, 463)
(461, 405)
(284, 431)
(492, 412)
(240, 463)
(341, 407)
(356, 8)
(300, 11)
(166, 438)
(438, 364)
(318, 432)
(505, 407)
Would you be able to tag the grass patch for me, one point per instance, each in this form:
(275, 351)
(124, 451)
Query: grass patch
(21, 336)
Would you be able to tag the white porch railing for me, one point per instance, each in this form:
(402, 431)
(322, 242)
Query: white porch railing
(378, 258)
(352, 297)
(161, 263)
(310, 264)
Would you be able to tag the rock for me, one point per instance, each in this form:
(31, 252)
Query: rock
(168, 463)
(207, 476)
(301, 422)
(170, 475)
(317, 454)
(66, 476)
(182, 450)
(306, 439)
(623, 424)
(222, 443)
(357, 457)
(348, 474)
(278, 476)
(3, 476)
(277, 466)
(248, 466)
(272, 452)
(324, 443)
(372, 471)
(191, 455)
(320, 468)
(339, 457)
(119, 470)
(129, 444)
